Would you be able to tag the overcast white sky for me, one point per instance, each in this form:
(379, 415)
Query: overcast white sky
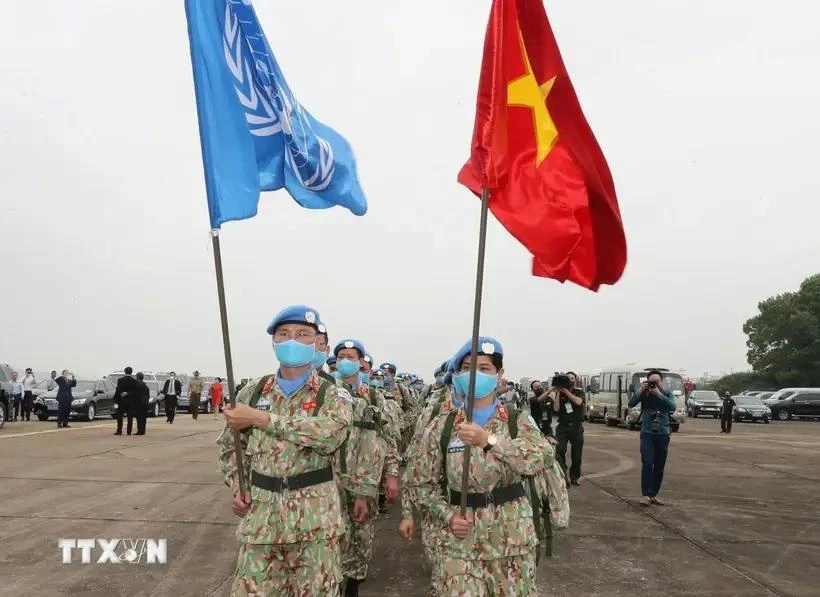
(706, 111)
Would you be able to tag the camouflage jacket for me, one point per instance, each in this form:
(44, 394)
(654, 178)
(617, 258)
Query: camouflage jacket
(297, 440)
(499, 531)
(367, 452)
(408, 497)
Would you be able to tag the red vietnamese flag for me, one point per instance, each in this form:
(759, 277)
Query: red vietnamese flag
(549, 182)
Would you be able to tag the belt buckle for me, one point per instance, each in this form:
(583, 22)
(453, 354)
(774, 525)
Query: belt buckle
(488, 498)
(284, 483)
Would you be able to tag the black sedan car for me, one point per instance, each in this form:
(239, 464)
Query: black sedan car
(750, 408)
(91, 398)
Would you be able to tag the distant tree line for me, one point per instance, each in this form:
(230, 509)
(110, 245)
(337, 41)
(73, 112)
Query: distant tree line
(783, 342)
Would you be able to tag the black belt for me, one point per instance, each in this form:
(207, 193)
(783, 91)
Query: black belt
(365, 425)
(279, 484)
(498, 496)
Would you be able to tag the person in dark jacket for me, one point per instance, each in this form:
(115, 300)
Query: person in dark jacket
(142, 404)
(126, 397)
(541, 407)
(172, 389)
(727, 412)
(64, 397)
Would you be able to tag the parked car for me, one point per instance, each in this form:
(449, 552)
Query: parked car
(784, 393)
(703, 402)
(750, 408)
(156, 403)
(801, 404)
(91, 398)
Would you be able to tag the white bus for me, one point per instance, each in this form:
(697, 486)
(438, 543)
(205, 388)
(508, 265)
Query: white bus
(610, 402)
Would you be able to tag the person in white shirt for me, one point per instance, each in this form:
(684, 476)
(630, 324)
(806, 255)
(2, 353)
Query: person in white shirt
(16, 393)
(29, 382)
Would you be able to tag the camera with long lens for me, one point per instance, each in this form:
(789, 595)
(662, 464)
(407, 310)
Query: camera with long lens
(562, 382)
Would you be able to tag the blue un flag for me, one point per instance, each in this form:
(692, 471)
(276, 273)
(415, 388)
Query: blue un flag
(255, 135)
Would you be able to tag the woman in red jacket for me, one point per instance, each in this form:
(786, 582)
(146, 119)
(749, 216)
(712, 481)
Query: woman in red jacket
(216, 396)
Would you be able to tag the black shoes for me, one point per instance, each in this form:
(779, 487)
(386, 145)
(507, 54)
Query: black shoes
(351, 587)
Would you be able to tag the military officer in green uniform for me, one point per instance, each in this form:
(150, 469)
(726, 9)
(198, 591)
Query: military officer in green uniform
(568, 404)
(292, 422)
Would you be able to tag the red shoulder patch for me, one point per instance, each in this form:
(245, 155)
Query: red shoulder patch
(502, 413)
(266, 388)
(459, 417)
(309, 405)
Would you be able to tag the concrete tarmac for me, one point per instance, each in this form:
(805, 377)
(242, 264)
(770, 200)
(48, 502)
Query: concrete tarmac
(741, 515)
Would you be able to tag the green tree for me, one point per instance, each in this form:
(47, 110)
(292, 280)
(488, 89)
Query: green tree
(784, 338)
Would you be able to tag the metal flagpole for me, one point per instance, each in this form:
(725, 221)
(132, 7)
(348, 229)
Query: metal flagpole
(479, 286)
(226, 343)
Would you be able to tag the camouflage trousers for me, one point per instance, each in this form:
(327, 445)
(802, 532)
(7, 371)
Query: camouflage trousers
(308, 569)
(430, 530)
(513, 576)
(357, 543)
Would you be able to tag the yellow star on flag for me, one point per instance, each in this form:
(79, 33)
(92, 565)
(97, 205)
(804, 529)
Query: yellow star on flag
(527, 93)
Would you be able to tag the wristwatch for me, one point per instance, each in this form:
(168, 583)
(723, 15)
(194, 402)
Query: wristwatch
(492, 440)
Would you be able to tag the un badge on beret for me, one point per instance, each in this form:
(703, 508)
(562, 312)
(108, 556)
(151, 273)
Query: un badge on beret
(349, 344)
(367, 359)
(310, 317)
(488, 348)
(322, 328)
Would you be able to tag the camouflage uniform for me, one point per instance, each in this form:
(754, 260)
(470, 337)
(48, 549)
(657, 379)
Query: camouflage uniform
(431, 528)
(395, 421)
(498, 558)
(290, 539)
(366, 453)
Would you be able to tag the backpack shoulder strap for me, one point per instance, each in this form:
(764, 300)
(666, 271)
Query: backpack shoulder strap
(444, 443)
(435, 412)
(257, 391)
(320, 397)
(512, 422)
(373, 399)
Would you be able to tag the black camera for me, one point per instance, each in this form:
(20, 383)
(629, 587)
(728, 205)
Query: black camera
(562, 382)
(652, 385)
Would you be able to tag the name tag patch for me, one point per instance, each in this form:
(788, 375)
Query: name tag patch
(263, 404)
(568, 407)
(455, 446)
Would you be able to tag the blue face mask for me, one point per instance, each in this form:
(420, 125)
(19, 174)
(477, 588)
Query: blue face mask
(337, 375)
(294, 354)
(364, 377)
(484, 383)
(319, 358)
(375, 383)
(347, 367)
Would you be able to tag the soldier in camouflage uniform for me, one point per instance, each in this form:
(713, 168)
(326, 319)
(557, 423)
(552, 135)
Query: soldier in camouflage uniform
(405, 399)
(443, 400)
(365, 369)
(492, 550)
(369, 449)
(320, 357)
(292, 422)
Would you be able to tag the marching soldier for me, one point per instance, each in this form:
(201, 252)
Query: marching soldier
(321, 354)
(432, 529)
(369, 449)
(292, 423)
(331, 366)
(491, 550)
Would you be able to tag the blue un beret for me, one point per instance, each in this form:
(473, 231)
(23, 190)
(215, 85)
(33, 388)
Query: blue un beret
(389, 366)
(368, 358)
(331, 361)
(296, 314)
(349, 343)
(486, 346)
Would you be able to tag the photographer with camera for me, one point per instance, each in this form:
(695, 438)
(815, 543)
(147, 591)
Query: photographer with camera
(656, 404)
(541, 407)
(568, 402)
